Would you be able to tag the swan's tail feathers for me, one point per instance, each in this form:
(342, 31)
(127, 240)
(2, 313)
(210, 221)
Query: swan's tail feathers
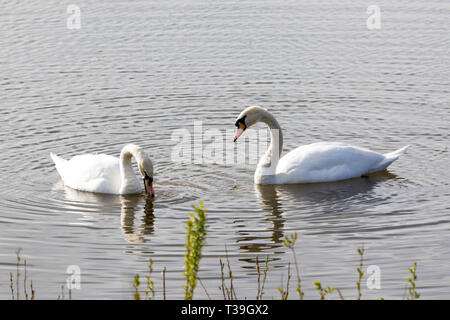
(397, 153)
(59, 163)
(388, 159)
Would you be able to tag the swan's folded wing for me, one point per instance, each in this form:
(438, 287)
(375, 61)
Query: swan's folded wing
(92, 173)
(325, 161)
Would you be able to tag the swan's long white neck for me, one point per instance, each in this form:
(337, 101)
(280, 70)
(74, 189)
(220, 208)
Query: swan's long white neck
(267, 165)
(130, 183)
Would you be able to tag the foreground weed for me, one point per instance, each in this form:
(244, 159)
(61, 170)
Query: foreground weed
(195, 239)
(285, 292)
(14, 286)
(360, 271)
(323, 292)
(149, 291)
(136, 283)
(62, 295)
(413, 294)
(289, 242)
(228, 292)
(150, 286)
(260, 291)
(163, 272)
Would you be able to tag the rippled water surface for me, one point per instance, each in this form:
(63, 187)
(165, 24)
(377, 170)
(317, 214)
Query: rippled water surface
(138, 71)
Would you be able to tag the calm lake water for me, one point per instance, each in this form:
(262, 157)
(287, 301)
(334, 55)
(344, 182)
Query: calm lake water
(138, 71)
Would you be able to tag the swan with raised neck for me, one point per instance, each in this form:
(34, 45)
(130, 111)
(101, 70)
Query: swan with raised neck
(316, 162)
(266, 168)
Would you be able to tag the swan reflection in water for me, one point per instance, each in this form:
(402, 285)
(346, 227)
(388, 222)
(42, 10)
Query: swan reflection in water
(310, 199)
(131, 231)
(90, 205)
(324, 194)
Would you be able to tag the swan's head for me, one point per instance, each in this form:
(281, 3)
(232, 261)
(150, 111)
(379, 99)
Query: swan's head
(145, 166)
(248, 118)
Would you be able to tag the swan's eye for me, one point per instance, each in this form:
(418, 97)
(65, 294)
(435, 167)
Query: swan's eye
(146, 177)
(240, 123)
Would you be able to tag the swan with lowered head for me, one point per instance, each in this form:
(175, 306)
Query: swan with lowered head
(316, 162)
(107, 174)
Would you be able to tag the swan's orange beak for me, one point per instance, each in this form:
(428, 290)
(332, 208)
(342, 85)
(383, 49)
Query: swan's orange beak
(239, 130)
(148, 183)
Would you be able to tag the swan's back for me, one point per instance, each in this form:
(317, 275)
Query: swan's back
(89, 172)
(329, 161)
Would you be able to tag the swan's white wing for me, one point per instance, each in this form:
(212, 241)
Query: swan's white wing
(92, 173)
(326, 161)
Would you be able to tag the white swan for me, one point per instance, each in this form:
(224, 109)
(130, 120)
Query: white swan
(107, 174)
(316, 162)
